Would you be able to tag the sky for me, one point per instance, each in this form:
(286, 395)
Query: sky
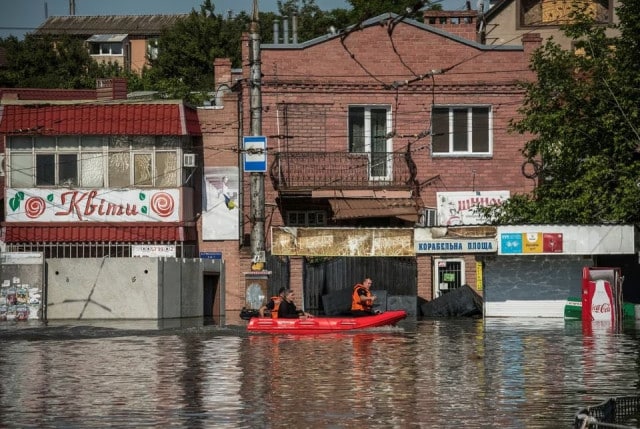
(18, 17)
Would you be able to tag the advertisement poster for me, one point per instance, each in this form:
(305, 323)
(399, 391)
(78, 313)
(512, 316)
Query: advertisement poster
(220, 212)
(459, 208)
(21, 280)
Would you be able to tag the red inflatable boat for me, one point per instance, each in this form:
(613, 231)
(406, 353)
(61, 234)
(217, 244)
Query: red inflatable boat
(324, 325)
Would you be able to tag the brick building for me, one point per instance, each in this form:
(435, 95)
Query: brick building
(368, 126)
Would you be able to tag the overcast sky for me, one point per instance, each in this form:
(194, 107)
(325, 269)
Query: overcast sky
(18, 17)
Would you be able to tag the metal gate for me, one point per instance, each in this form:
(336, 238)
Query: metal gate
(398, 276)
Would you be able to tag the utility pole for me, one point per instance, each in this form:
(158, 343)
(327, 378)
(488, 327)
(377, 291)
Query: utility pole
(72, 7)
(257, 179)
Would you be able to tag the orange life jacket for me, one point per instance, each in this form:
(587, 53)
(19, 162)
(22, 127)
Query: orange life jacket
(276, 304)
(356, 299)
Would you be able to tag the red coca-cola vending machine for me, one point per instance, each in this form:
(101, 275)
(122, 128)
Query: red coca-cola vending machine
(601, 299)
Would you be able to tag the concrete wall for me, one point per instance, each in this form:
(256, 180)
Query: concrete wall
(531, 286)
(125, 288)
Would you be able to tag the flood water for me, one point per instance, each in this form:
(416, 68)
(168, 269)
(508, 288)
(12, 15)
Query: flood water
(446, 373)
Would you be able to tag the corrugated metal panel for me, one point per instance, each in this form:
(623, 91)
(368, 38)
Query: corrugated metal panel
(74, 233)
(397, 276)
(138, 25)
(107, 38)
(351, 208)
(117, 119)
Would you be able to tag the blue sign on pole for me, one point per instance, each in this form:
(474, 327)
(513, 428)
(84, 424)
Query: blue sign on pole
(255, 154)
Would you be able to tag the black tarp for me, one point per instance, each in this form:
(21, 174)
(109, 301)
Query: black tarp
(462, 301)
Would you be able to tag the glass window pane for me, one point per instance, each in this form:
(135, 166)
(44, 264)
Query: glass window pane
(356, 129)
(119, 142)
(45, 170)
(45, 143)
(167, 142)
(378, 142)
(94, 142)
(166, 169)
(440, 130)
(143, 142)
(21, 170)
(460, 131)
(142, 169)
(480, 130)
(68, 142)
(20, 143)
(68, 169)
(116, 49)
(92, 170)
(119, 170)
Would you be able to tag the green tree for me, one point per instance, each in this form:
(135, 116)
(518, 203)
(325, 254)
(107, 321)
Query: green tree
(45, 62)
(582, 113)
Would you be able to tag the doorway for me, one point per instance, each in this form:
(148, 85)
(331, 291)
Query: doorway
(211, 302)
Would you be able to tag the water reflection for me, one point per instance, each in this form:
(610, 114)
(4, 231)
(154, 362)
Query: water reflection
(432, 373)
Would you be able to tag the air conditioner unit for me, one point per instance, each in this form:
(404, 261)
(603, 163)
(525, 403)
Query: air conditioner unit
(189, 160)
(428, 218)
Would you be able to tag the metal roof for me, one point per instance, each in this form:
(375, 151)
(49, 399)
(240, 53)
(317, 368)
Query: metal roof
(100, 119)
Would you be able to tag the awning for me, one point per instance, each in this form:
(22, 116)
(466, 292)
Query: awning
(355, 208)
(73, 233)
(106, 38)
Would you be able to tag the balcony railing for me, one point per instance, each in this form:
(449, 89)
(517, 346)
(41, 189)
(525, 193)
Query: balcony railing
(342, 170)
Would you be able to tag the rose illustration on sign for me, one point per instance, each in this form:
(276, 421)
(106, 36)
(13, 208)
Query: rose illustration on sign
(161, 203)
(34, 206)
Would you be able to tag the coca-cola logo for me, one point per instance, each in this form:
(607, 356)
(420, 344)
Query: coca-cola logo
(601, 308)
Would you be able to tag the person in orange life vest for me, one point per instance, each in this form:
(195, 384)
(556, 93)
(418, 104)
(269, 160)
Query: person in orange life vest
(273, 304)
(288, 310)
(362, 299)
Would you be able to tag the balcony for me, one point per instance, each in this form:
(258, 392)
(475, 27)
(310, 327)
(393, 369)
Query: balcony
(308, 171)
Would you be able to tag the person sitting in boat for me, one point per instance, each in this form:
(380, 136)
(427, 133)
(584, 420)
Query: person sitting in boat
(287, 308)
(362, 299)
(271, 307)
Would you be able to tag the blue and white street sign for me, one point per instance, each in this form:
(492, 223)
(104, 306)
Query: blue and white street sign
(255, 154)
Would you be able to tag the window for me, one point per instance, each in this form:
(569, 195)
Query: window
(306, 218)
(536, 13)
(369, 127)
(106, 48)
(152, 49)
(461, 130)
(449, 274)
(94, 161)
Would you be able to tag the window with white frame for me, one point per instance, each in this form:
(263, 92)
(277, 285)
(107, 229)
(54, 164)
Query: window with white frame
(461, 130)
(113, 48)
(369, 127)
(448, 274)
(94, 161)
(306, 218)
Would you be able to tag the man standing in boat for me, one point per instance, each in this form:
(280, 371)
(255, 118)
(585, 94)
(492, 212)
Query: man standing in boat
(362, 299)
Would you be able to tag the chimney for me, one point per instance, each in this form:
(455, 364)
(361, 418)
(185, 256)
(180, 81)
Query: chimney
(461, 23)
(222, 71)
(114, 88)
(276, 31)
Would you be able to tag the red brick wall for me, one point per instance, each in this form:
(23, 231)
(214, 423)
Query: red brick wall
(319, 82)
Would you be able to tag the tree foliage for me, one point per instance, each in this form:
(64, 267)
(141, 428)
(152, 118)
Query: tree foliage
(582, 115)
(186, 51)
